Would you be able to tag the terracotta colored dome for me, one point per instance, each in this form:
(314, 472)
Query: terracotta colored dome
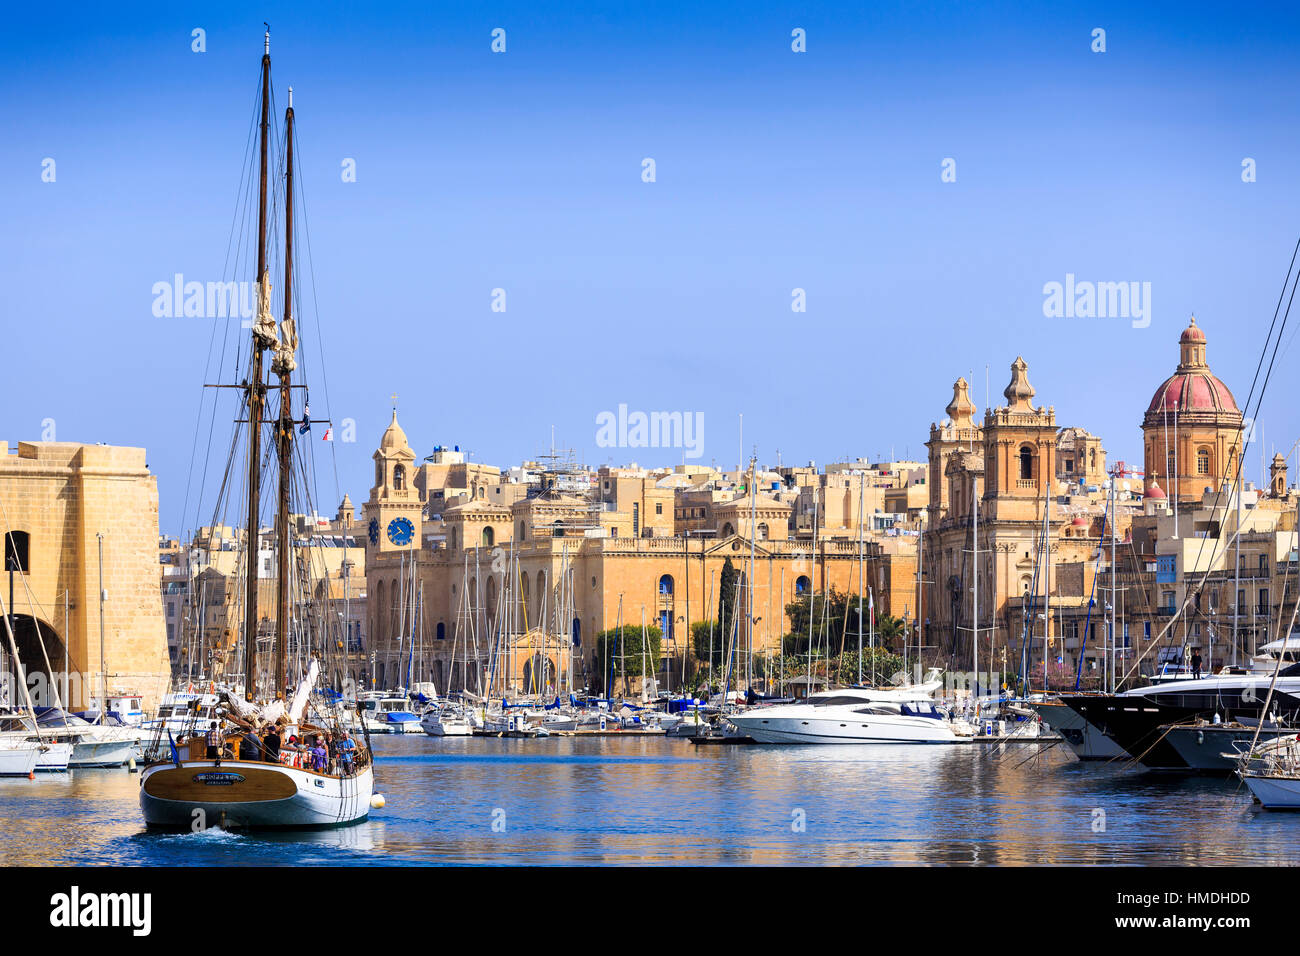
(1192, 333)
(1155, 492)
(1193, 387)
(1193, 391)
(1080, 521)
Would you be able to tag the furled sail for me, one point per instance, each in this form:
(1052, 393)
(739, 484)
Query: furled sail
(304, 691)
(264, 327)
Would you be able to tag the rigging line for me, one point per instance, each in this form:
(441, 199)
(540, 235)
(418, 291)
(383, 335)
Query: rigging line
(245, 191)
(1240, 457)
(311, 269)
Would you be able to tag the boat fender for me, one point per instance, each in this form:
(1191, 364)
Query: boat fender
(377, 801)
(130, 764)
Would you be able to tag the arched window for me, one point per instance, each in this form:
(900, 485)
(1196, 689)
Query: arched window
(801, 585)
(1172, 471)
(489, 537)
(728, 530)
(557, 529)
(577, 633)
(521, 531)
(380, 627)
(1203, 461)
(1026, 463)
(666, 584)
(442, 631)
(480, 491)
(762, 531)
(399, 477)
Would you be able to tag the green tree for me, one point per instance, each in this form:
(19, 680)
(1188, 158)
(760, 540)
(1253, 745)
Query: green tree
(727, 600)
(619, 651)
(705, 642)
(835, 622)
(889, 631)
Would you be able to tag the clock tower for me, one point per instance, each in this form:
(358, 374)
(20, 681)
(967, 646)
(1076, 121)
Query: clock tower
(394, 509)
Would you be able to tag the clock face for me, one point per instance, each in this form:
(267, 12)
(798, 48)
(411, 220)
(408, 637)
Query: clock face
(401, 531)
(374, 530)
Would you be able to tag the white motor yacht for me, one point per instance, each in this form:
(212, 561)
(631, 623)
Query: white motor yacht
(851, 716)
(388, 714)
(446, 722)
(93, 744)
(179, 713)
(18, 757)
(19, 730)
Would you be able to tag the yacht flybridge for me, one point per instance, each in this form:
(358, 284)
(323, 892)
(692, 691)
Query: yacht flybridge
(260, 759)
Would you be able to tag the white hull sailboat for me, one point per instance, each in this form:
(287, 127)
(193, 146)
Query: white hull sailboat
(251, 794)
(229, 771)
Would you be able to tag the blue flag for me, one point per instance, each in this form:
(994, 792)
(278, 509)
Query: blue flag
(176, 754)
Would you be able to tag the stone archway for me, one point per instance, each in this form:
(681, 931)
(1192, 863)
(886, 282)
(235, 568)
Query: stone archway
(541, 668)
(38, 640)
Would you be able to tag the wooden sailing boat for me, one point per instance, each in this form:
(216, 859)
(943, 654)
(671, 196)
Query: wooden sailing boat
(231, 772)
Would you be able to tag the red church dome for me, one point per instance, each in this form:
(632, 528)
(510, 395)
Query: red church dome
(1192, 391)
(1193, 387)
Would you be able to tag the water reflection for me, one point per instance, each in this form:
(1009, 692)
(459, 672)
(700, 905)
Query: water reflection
(651, 800)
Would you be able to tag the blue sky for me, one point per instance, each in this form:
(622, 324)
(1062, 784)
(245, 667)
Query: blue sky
(775, 170)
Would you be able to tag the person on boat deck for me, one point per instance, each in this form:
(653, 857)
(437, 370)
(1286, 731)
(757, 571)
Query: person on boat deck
(1196, 665)
(348, 751)
(332, 748)
(318, 756)
(271, 744)
(250, 748)
(214, 741)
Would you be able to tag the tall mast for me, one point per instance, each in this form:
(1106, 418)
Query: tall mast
(284, 366)
(975, 588)
(256, 400)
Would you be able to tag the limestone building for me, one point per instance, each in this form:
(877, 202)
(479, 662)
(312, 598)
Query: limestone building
(584, 552)
(59, 501)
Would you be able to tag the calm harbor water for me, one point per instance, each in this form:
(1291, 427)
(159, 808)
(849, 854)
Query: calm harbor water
(652, 800)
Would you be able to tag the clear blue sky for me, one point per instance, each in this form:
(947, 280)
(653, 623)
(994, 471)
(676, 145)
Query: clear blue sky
(775, 170)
